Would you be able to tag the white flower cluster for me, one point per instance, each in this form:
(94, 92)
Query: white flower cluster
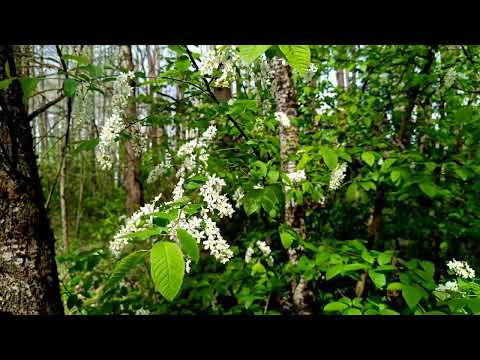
(160, 169)
(188, 261)
(224, 59)
(142, 311)
(337, 176)
(450, 78)
(448, 286)
(238, 196)
(140, 219)
(297, 177)
(264, 248)
(282, 118)
(461, 268)
(203, 228)
(114, 124)
(210, 192)
(248, 254)
(188, 150)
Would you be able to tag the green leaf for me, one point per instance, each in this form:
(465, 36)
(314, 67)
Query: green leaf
(272, 176)
(122, 267)
(352, 267)
(428, 188)
(248, 53)
(188, 244)
(298, 56)
(5, 84)
(330, 157)
(378, 279)
(352, 192)
(287, 236)
(252, 202)
(388, 312)
(333, 271)
(395, 286)
(384, 258)
(474, 305)
(367, 257)
(412, 295)
(258, 268)
(352, 311)
(81, 59)
(28, 87)
(167, 268)
(69, 87)
(335, 306)
(367, 185)
(369, 157)
(85, 145)
(145, 233)
(395, 175)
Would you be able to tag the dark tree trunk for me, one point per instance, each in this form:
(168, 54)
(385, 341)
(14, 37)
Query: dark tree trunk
(28, 273)
(132, 169)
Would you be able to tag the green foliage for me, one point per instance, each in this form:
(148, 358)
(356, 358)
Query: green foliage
(167, 268)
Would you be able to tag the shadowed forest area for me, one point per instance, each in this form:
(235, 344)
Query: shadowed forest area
(239, 179)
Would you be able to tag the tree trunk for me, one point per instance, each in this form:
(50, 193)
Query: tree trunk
(286, 102)
(28, 273)
(132, 169)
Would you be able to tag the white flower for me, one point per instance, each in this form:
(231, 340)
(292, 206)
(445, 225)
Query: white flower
(187, 265)
(337, 176)
(248, 255)
(215, 243)
(297, 177)
(178, 190)
(238, 196)
(262, 245)
(461, 268)
(282, 118)
(142, 311)
(140, 219)
(210, 192)
(448, 286)
(114, 124)
(160, 169)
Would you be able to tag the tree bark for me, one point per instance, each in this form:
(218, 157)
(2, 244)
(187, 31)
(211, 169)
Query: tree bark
(286, 102)
(28, 273)
(132, 170)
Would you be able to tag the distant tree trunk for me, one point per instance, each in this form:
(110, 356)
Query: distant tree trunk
(132, 169)
(28, 273)
(286, 102)
(63, 201)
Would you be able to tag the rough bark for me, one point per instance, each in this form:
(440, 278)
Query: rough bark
(286, 102)
(132, 169)
(28, 273)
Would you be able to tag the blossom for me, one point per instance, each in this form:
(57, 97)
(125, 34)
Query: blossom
(210, 192)
(142, 311)
(337, 176)
(159, 169)
(282, 118)
(215, 243)
(248, 255)
(238, 196)
(114, 123)
(224, 59)
(448, 286)
(178, 190)
(265, 249)
(187, 265)
(297, 177)
(461, 268)
(142, 218)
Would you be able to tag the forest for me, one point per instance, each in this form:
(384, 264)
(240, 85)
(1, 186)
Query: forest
(240, 180)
